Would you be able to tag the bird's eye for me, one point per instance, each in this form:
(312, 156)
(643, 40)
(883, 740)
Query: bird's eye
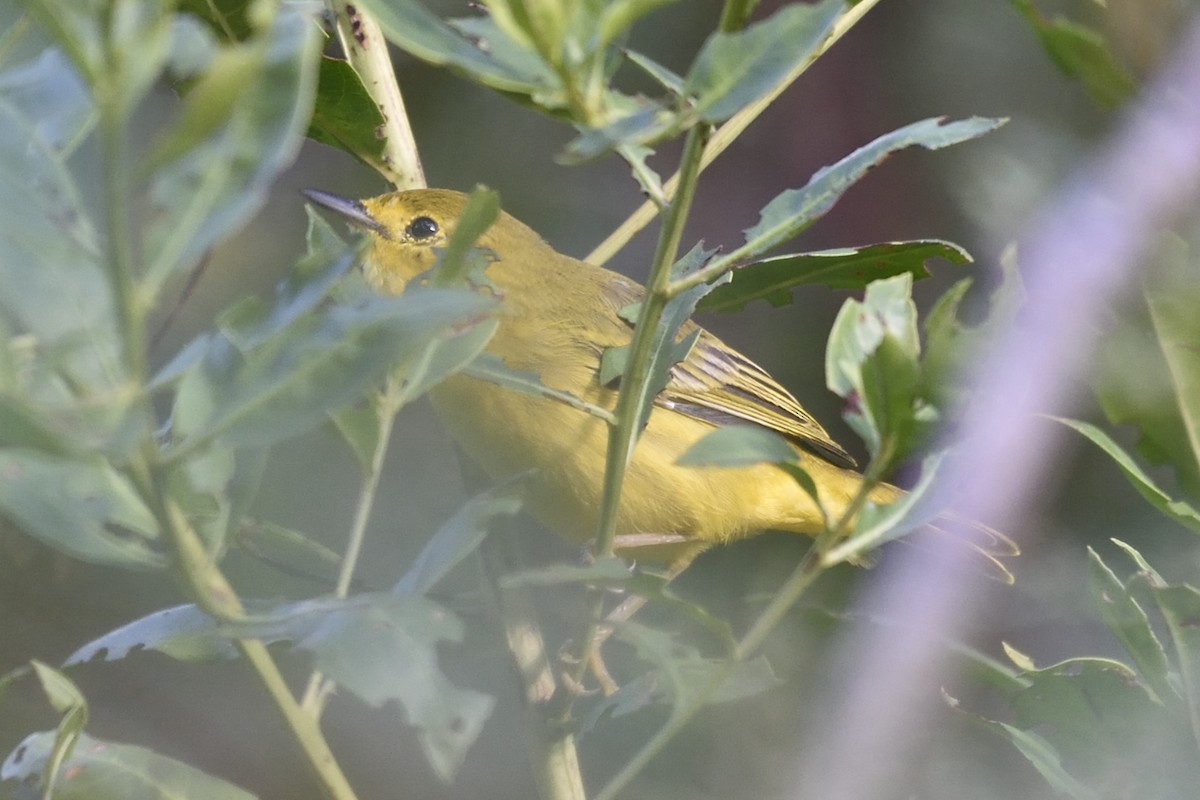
(421, 228)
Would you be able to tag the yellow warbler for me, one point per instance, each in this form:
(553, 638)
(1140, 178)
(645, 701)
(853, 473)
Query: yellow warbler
(558, 316)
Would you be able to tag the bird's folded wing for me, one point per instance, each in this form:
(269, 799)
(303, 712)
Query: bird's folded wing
(717, 384)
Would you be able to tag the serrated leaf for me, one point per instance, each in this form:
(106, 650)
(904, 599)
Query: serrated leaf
(735, 69)
(183, 632)
(386, 649)
(101, 769)
(1183, 513)
(772, 279)
(1128, 622)
(647, 178)
(795, 209)
(83, 508)
(323, 361)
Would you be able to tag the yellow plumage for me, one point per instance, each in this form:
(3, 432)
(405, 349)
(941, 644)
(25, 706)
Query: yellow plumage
(558, 316)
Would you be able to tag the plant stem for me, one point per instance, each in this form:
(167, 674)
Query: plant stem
(120, 251)
(216, 597)
(722, 138)
(388, 405)
(366, 50)
(633, 398)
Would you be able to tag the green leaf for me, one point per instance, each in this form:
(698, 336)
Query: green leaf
(384, 648)
(1046, 760)
(454, 265)
(951, 345)
(229, 18)
(618, 16)
(1094, 730)
(772, 279)
(490, 368)
(52, 284)
(628, 129)
(288, 550)
(666, 78)
(667, 349)
(1180, 607)
(459, 537)
(1179, 511)
(359, 427)
(877, 525)
(872, 361)
(734, 70)
(1128, 622)
(103, 769)
(217, 183)
(66, 699)
(183, 632)
(288, 383)
(738, 446)
(1171, 301)
(795, 209)
(647, 178)
(83, 508)
(345, 116)
(412, 27)
(1082, 53)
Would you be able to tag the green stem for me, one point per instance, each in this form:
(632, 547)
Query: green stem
(216, 596)
(120, 250)
(389, 403)
(735, 15)
(722, 138)
(366, 50)
(622, 437)
(632, 400)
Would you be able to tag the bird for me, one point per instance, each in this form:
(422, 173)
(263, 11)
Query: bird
(557, 317)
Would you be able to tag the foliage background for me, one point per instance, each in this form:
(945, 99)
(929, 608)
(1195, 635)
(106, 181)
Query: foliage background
(906, 61)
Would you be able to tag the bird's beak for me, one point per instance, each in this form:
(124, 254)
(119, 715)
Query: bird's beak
(352, 211)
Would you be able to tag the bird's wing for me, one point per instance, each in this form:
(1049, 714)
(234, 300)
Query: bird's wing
(717, 384)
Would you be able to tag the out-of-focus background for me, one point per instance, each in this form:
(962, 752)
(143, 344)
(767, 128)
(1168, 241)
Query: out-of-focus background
(908, 60)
